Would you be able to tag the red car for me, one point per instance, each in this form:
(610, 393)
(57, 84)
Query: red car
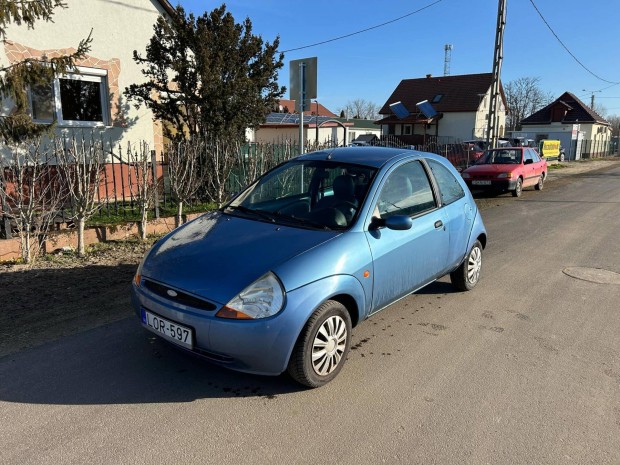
(507, 169)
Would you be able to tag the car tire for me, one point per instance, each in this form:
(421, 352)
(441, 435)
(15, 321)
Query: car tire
(561, 157)
(518, 188)
(328, 330)
(467, 275)
(541, 182)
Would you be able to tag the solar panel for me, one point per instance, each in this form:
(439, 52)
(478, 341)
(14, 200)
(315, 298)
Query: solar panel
(399, 110)
(426, 108)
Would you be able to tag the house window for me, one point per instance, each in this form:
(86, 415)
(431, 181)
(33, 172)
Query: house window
(437, 98)
(74, 99)
(407, 129)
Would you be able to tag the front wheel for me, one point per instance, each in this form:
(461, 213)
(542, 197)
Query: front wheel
(322, 346)
(518, 188)
(541, 182)
(467, 275)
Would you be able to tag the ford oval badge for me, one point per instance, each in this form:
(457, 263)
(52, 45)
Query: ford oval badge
(171, 293)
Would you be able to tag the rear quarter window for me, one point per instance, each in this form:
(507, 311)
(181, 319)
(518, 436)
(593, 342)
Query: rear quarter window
(450, 189)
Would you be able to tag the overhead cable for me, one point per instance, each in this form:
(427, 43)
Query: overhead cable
(364, 30)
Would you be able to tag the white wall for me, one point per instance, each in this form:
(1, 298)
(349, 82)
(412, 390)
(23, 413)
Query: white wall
(118, 28)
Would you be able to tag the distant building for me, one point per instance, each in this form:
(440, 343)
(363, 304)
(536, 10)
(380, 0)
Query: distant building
(282, 125)
(581, 131)
(461, 103)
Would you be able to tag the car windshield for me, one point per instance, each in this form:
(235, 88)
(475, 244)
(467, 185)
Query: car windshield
(319, 194)
(501, 157)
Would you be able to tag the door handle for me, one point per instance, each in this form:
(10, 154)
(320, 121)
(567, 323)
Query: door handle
(438, 224)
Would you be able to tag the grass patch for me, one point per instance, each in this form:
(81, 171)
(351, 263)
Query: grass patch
(115, 215)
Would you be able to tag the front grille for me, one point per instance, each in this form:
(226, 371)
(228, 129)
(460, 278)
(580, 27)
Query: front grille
(180, 297)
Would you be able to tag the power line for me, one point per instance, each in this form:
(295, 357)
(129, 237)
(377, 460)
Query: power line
(364, 30)
(567, 50)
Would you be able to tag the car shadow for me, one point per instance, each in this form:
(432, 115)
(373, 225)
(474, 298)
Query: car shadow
(442, 286)
(121, 363)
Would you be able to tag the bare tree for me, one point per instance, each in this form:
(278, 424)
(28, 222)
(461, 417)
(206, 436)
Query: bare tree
(614, 120)
(600, 109)
(145, 183)
(221, 157)
(185, 172)
(261, 157)
(524, 97)
(80, 162)
(31, 194)
(361, 108)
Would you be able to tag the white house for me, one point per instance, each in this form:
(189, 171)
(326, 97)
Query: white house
(462, 104)
(581, 130)
(93, 98)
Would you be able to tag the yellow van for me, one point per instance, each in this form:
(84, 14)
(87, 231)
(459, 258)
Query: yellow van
(549, 148)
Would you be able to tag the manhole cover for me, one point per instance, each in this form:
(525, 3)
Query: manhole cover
(593, 275)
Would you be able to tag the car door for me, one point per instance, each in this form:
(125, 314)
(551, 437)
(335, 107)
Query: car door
(404, 261)
(538, 163)
(459, 211)
(531, 168)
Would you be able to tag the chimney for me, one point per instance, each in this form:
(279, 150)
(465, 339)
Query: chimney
(428, 76)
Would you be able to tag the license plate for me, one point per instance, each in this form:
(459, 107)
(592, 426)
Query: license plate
(173, 332)
(481, 183)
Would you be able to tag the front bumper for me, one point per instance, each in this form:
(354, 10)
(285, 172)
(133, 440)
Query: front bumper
(494, 184)
(259, 346)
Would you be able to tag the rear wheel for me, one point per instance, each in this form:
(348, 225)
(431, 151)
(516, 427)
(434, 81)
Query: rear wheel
(466, 276)
(541, 182)
(518, 188)
(322, 346)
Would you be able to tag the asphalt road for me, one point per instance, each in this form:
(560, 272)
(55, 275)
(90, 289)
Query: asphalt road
(525, 369)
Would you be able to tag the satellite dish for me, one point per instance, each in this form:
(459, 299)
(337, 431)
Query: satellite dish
(399, 110)
(426, 109)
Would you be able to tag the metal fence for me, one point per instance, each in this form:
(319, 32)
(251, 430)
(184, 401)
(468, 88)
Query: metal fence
(117, 197)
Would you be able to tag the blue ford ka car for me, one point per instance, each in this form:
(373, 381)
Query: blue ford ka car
(275, 280)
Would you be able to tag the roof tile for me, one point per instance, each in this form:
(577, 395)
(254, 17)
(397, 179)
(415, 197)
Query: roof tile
(577, 112)
(460, 93)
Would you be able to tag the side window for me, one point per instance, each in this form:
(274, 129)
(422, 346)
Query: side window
(535, 156)
(449, 187)
(528, 156)
(407, 191)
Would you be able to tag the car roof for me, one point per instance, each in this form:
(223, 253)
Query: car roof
(371, 156)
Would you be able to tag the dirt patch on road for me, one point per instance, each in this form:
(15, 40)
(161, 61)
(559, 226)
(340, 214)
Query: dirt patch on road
(63, 294)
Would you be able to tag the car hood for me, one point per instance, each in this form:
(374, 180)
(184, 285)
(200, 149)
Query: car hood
(217, 255)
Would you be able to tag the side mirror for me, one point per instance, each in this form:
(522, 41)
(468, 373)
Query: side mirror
(529, 161)
(398, 222)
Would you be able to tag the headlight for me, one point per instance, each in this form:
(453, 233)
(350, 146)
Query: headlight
(504, 175)
(465, 175)
(138, 276)
(261, 299)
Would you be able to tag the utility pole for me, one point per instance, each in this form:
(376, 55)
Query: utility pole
(446, 60)
(498, 56)
(591, 97)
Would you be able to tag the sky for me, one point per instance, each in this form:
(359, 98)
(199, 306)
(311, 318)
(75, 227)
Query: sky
(369, 65)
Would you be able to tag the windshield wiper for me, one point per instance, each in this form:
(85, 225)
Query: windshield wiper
(303, 221)
(249, 211)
